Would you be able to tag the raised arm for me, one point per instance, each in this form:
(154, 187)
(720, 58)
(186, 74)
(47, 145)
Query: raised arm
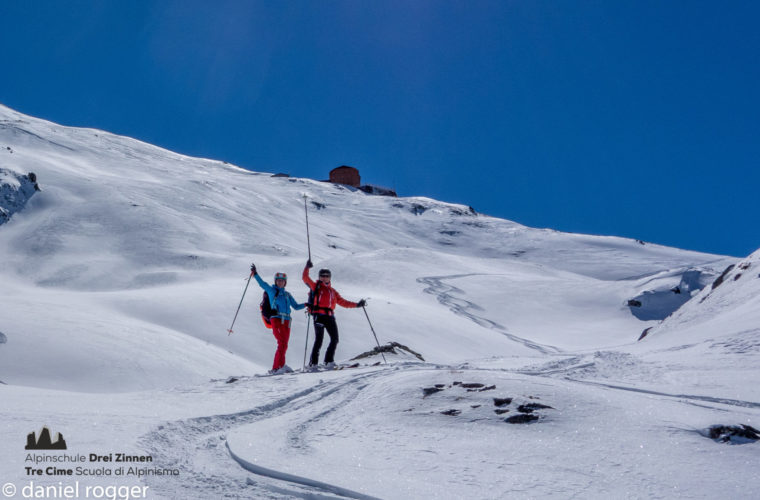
(263, 284)
(306, 278)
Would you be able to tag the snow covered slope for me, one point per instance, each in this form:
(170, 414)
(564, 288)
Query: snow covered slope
(122, 275)
(730, 305)
(131, 252)
(713, 341)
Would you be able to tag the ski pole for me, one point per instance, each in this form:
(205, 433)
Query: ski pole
(306, 346)
(308, 239)
(241, 303)
(373, 333)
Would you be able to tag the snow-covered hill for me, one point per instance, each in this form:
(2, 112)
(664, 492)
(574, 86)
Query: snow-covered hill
(138, 251)
(122, 275)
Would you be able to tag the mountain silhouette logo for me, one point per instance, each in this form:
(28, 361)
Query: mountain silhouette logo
(44, 442)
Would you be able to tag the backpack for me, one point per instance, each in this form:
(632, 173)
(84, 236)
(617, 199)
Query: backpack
(267, 311)
(312, 298)
(311, 304)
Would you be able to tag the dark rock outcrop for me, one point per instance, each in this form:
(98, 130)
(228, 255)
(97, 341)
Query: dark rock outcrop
(522, 418)
(645, 332)
(531, 407)
(392, 348)
(15, 192)
(427, 391)
(735, 434)
(472, 386)
(658, 304)
(722, 277)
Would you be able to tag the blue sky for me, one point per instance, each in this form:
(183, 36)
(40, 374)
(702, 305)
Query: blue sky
(630, 118)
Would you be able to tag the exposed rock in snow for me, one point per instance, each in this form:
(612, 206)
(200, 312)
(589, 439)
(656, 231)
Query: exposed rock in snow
(719, 280)
(452, 412)
(666, 298)
(390, 348)
(734, 434)
(427, 391)
(531, 407)
(471, 385)
(15, 191)
(502, 401)
(522, 418)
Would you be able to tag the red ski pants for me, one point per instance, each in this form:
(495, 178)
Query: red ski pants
(281, 331)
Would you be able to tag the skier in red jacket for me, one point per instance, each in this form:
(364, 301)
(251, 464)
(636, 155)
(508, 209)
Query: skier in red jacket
(322, 307)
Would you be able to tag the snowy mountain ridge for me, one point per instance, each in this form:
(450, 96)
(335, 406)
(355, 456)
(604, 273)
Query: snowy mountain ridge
(121, 277)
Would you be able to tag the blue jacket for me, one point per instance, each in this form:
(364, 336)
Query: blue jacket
(280, 299)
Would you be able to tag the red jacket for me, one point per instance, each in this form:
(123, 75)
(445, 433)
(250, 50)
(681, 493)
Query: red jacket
(327, 297)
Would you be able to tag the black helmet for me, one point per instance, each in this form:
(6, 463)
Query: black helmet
(325, 272)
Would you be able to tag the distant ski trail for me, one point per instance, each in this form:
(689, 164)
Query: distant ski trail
(462, 307)
(706, 399)
(198, 448)
(14, 128)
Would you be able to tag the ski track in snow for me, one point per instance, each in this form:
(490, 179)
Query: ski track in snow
(263, 471)
(464, 308)
(577, 363)
(16, 129)
(707, 399)
(211, 469)
(198, 447)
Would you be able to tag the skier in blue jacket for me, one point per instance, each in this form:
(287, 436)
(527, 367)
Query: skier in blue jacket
(281, 302)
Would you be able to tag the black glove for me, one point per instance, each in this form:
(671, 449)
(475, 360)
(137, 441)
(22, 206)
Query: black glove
(253, 269)
(309, 265)
(361, 303)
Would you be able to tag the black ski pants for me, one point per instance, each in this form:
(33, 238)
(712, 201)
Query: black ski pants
(324, 322)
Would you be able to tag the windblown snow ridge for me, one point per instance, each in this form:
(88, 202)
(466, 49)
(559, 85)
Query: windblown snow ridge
(731, 302)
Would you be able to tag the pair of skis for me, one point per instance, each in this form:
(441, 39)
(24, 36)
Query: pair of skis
(321, 369)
